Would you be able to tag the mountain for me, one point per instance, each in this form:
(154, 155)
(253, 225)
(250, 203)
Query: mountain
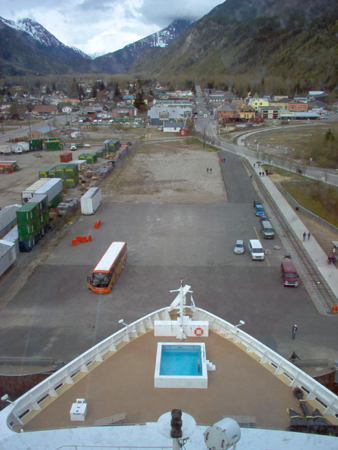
(28, 48)
(286, 38)
(119, 61)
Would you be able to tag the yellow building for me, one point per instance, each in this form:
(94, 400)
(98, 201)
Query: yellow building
(246, 112)
(259, 102)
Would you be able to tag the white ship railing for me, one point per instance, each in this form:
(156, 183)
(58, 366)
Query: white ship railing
(313, 391)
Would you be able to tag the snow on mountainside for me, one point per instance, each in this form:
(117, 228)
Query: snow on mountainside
(118, 61)
(39, 34)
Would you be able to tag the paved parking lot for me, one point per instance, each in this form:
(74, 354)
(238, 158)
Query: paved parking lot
(55, 315)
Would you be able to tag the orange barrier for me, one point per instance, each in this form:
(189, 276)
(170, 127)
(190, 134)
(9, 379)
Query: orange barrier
(335, 308)
(81, 239)
(97, 224)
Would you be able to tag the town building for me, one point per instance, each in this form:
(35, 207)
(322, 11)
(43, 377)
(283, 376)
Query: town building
(41, 133)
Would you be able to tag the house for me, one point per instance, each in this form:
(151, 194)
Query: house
(41, 133)
(268, 112)
(44, 110)
(123, 111)
(256, 102)
(226, 112)
(246, 112)
(173, 127)
(298, 106)
(282, 102)
(158, 115)
(317, 95)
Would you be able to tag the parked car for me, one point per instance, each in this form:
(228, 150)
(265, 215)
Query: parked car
(73, 147)
(239, 247)
(259, 211)
(262, 218)
(289, 274)
(256, 202)
(256, 250)
(87, 145)
(267, 230)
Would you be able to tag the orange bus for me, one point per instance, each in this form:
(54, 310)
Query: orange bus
(108, 269)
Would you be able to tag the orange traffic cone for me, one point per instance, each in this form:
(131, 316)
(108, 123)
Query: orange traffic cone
(335, 308)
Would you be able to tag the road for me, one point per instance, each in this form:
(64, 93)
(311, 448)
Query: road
(207, 129)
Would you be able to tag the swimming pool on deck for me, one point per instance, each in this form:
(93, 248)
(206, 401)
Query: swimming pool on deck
(181, 366)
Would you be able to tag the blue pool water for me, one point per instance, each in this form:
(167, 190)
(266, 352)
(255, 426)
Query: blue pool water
(181, 360)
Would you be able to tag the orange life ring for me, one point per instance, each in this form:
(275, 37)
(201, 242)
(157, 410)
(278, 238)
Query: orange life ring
(198, 331)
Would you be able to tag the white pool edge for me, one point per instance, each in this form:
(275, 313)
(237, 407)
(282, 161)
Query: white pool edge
(181, 381)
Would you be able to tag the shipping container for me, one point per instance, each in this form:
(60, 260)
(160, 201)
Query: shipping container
(13, 237)
(66, 157)
(30, 191)
(6, 167)
(44, 173)
(80, 163)
(28, 213)
(91, 200)
(26, 245)
(53, 144)
(90, 158)
(60, 171)
(53, 189)
(72, 171)
(41, 200)
(30, 230)
(7, 255)
(20, 147)
(5, 149)
(71, 183)
(35, 144)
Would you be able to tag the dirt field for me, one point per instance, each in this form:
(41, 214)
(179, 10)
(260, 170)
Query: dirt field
(172, 172)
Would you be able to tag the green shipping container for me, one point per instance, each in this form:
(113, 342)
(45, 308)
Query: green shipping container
(28, 213)
(28, 231)
(71, 183)
(44, 173)
(51, 174)
(56, 200)
(60, 171)
(72, 171)
(44, 217)
(53, 144)
(35, 144)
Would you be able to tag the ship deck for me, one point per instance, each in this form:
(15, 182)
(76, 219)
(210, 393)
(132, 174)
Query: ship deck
(124, 383)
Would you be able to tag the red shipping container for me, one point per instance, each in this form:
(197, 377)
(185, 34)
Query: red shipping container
(66, 157)
(6, 167)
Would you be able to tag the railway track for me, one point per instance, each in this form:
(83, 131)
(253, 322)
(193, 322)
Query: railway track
(319, 290)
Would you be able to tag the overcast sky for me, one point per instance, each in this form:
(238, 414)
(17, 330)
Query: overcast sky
(102, 26)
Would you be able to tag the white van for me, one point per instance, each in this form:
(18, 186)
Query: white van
(94, 122)
(256, 250)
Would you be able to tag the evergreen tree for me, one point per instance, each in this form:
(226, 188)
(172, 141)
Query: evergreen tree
(139, 102)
